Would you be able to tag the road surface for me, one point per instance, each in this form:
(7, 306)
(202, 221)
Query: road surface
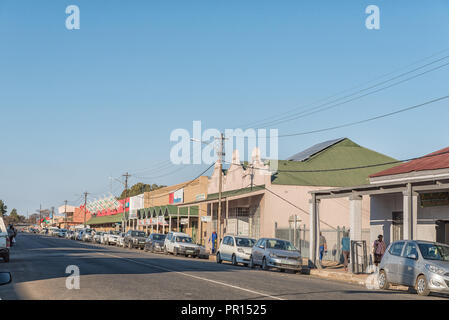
(38, 267)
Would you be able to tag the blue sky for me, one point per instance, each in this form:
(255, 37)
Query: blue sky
(79, 106)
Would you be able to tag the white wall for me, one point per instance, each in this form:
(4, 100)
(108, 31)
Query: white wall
(382, 207)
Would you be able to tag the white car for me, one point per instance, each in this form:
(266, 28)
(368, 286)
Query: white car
(120, 240)
(180, 243)
(236, 249)
(111, 237)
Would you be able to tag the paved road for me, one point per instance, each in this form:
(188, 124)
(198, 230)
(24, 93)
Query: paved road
(38, 264)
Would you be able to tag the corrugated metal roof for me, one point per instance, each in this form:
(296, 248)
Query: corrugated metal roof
(431, 163)
(306, 154)
(343, 154)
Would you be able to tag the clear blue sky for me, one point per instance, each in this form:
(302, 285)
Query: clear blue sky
(78, 106)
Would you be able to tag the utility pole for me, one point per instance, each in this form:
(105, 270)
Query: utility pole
(65, 212)
(126, 175)
(85, 205)
(220, 154)
(40, 214)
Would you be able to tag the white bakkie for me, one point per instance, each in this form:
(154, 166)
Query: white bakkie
(4, 241)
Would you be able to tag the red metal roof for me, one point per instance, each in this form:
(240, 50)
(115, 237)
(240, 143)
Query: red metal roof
(432, 161)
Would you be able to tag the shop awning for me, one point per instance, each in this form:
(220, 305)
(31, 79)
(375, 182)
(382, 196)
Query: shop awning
(105, 219)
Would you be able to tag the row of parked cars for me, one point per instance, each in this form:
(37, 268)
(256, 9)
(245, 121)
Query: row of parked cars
(265, 252)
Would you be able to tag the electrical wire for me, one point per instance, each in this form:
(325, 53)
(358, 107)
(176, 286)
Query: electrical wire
(325, 106)
(261, 122)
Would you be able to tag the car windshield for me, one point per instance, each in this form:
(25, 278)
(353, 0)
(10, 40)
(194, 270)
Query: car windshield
(184, 239)
(137, 234)
(158, 237)
(280, 245)
(432, 251)
(245, 242)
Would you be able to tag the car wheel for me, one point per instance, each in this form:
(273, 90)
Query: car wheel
(234, 260)
(251, 263)
(264, 264)
(219, 258)
(422, 288)
(6, 257)
(245, 264)
(383, 281)
(282, 270)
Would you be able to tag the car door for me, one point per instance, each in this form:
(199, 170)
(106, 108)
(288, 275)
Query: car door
(230, 247)
(394, 262)
(260, 249)
(408, 269)
(224, 252)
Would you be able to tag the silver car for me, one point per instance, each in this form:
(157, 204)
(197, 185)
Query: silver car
(275, 253)
(236, 249)
(422, 265)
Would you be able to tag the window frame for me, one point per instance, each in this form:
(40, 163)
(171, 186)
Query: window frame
(396, 243)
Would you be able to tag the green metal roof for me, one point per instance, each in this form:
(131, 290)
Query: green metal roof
(105, 219)
(233, 193)
(343, 154)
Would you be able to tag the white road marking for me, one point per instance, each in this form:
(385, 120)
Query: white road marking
(195, 277)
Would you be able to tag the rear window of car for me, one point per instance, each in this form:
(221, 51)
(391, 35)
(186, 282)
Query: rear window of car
(396, 248)
(245, 242)
(158, 237)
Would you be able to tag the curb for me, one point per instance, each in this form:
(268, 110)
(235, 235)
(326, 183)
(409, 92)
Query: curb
(348, 277)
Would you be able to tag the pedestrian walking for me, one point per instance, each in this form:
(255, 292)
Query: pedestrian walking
(323, 246)
(379, 248)
(345, 244)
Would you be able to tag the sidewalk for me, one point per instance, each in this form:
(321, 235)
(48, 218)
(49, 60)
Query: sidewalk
(333, 271)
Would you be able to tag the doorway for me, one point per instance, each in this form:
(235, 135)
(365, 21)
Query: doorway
(442, 231)
(398, 225)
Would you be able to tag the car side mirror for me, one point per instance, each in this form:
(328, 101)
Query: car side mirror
(5, 278)
(412, 256)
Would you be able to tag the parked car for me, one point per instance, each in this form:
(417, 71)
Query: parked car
(203, 252)
(181, 243)
(111, 237)
(53, 231)
(120, 240)
(80, 234)
(155, 242)
(62, 233)
(135, 239)
(4, 241)
(236, 249)
(69, 234)
(97, 237)
(88, 235)
(275, 253)
(422, 265)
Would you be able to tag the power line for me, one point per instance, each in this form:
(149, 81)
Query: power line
(326, 106)
(365, 120)
(261, 122)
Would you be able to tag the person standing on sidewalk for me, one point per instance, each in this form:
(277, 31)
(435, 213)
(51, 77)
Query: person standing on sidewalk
(379, 248)
(345, 249)
(323, 246)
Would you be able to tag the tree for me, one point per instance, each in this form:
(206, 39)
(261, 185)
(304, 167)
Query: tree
(3, 208)
(14, 217)
(140, 188)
